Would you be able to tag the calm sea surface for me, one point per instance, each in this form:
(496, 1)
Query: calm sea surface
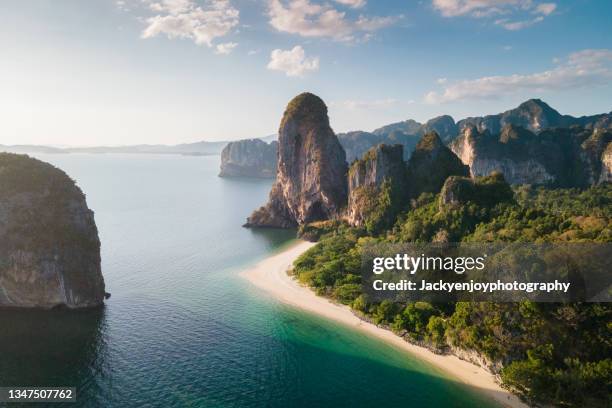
(182, 329)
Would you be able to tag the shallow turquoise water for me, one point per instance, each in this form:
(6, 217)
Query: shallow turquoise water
(182, 329)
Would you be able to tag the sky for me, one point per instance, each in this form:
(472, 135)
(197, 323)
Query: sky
(119, 72)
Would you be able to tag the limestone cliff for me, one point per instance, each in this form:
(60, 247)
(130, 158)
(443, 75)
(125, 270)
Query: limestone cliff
(311, 171)
(593, 155)
(377, 186)
(566, 157)
(431, 164)
(606, 167)
(49, 245)
(514, 154)
(249, 158)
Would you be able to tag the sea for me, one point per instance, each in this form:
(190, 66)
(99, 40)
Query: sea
(182, 328)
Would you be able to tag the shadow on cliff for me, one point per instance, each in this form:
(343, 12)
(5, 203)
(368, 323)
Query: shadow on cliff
(50, 347)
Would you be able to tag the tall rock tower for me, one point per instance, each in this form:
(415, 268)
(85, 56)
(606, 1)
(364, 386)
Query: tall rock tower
(311, 183)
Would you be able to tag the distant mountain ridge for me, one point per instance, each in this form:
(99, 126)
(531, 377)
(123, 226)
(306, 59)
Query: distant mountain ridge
(444, 126)
(533, 115)
(202, 148)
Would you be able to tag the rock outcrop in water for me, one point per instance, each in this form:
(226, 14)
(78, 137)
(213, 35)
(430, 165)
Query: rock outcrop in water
(566, 157)
(249, 158)
(377, 187)
(311, 172)
(431, 164)
(49, 245)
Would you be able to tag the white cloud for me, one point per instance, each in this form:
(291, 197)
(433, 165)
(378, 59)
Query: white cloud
(351, 104)
(518, 25)
(441, 81)
(292, 62)
(252, 52)
(545, 8)
(186, 19)
(225, 48)
(309, 19)
(580, 69)
(516, 12)
(352, 3)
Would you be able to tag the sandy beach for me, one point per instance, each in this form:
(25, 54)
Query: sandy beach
(271, 276)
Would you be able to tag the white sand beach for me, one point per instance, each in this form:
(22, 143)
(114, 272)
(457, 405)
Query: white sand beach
(271, 276)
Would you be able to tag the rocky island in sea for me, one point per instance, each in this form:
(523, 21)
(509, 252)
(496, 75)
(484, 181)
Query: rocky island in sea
(49, 245)
(249, 158)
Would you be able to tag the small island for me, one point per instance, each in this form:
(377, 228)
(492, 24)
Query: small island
(49, 245)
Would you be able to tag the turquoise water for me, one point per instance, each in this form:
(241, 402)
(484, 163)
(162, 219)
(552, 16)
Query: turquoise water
(182, 329)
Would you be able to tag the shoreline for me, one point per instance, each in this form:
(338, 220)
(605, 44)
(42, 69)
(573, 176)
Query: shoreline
(271, 276)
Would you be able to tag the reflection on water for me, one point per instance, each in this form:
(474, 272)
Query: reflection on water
(58, 347)
(274, 237)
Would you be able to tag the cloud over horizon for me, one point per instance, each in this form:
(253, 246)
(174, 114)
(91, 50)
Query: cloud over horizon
(293, 62)
(580, 69)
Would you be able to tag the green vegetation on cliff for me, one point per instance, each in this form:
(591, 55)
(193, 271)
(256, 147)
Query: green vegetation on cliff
(551, 353)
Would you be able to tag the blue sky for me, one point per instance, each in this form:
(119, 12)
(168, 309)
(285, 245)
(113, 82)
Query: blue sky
(171, 71)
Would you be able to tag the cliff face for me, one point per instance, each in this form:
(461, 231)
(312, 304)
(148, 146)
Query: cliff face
(593, 155)
(514, 154)
(49, 245)
(431, 164)
(606, 165)
(381, 171)
(568, 157)
(311, 172)
(249, 158)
